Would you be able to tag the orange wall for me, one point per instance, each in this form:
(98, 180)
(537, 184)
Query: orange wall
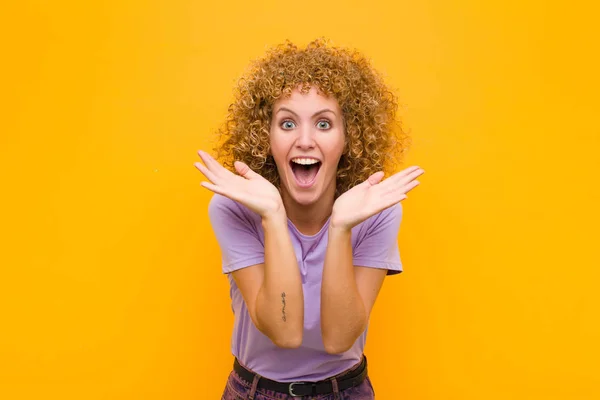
(110, 283)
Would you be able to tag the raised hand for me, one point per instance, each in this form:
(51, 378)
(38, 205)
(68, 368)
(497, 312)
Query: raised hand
(372, 196)
(247, 188)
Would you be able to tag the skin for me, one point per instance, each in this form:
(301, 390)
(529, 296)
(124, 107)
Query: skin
(308, 125)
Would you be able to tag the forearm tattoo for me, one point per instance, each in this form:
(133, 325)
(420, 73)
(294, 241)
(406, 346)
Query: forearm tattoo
(283, 307)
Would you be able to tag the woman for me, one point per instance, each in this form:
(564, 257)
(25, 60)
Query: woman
(307, 226)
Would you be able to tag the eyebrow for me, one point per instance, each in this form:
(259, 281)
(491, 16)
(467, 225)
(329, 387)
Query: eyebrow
(315, 114)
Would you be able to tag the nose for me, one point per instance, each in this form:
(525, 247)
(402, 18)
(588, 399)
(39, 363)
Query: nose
(305, 139)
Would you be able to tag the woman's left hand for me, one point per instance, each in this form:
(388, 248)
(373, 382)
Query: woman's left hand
(372, 196)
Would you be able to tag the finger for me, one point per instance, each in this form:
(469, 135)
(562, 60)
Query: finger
(209, 161)
(408, 170)
(213, 188)
(404, 179)
(399, 195)
(413, 175)
(400, 189)
(375, 178)
(405, 173)
(400, 179)
(209, 175)
(244, 170)
(213, 165)
(410, 186)
(390, 201)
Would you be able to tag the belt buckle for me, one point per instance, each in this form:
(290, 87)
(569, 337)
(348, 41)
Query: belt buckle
(291, 389)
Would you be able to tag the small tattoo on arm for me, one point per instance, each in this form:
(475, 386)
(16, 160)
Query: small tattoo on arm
(283, 308)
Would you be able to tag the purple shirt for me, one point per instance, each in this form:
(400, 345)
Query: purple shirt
(241, 238)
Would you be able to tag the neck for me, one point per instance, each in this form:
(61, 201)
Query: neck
(309, 219)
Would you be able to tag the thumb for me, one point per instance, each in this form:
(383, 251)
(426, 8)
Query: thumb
(244, 170)
(375, 178)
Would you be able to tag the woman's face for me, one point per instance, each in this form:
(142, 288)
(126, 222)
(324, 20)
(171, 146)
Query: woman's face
(307, 139)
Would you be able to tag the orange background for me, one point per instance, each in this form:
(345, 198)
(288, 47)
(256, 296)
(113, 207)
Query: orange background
(110, 282)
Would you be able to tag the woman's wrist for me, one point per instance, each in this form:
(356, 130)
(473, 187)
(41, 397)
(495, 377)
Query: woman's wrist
(338, 224)
(275, 216)
(339, 229)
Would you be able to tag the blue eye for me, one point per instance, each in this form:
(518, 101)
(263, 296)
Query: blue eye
(287, 124)
(324, 124)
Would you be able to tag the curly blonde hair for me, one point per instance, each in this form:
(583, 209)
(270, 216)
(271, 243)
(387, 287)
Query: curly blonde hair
(375, 139)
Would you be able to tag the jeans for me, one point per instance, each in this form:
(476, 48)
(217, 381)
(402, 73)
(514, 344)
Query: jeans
(239, 389)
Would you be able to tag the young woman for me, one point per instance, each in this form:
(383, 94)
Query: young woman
(307, 225)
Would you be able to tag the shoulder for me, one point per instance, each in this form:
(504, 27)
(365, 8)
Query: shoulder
(220, 203)
(393, 211)
(390, 216)
(379, 228)
(222, 207)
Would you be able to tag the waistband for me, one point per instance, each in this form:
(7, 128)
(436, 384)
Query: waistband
(341, 382)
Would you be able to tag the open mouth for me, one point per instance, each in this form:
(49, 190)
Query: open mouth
(305, 172)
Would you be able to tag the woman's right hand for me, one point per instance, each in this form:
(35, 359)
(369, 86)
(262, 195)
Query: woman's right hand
(247, 188)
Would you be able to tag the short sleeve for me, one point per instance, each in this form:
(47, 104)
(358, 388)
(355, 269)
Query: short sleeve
(237, 234)
(377, 246)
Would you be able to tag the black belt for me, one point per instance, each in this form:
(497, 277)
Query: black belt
(297, 389)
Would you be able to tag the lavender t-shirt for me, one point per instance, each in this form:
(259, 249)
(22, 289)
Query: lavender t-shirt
(241, 238)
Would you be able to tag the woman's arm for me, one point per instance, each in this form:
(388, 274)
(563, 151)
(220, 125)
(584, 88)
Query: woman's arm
(273, 290)
(348, 293)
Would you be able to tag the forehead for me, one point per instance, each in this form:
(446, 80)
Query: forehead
(314, 99)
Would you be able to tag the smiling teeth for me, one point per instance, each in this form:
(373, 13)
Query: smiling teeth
(305, 161)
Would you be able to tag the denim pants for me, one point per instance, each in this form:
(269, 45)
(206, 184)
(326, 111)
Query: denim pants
(239, 389)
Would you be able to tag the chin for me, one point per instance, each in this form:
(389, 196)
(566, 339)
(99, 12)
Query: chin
(305, 199)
